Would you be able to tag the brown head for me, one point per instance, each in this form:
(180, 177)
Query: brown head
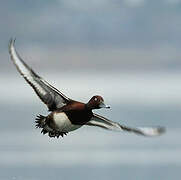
(96, 102)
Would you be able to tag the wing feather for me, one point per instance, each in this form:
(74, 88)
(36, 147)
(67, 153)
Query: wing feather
(105, 123)
(51, 96)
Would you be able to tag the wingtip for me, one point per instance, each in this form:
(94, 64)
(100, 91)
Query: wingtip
(11, 43)
(153, 132)
(161, 130)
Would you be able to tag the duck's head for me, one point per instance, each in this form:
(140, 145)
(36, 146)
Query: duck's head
(96, 102)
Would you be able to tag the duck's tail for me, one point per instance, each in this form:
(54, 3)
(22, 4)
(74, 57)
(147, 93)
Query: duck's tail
(40, 121)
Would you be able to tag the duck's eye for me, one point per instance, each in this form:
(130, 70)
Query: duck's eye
(95, 99)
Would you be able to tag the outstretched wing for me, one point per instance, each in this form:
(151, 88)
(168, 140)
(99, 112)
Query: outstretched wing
(102, 122)
(51, 96)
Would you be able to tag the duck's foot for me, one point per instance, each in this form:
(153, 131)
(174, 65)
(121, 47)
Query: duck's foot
(56, 134)
(44, 131)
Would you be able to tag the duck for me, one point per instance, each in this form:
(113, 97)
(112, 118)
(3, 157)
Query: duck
(65, 114)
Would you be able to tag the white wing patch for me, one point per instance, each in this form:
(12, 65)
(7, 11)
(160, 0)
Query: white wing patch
(148, 131)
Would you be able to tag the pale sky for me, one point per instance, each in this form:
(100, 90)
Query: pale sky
(127, 35)
(128, 51)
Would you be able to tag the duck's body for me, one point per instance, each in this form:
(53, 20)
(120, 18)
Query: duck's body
(68, 118)
(56, 124)
(66, 114)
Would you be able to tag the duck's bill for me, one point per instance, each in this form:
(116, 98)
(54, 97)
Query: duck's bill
(102, 105)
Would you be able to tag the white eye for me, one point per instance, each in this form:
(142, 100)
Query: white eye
(95, 99)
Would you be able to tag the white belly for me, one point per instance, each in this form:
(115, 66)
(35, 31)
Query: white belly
(63, 124)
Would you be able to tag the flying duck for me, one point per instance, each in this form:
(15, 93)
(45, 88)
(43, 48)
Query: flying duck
(67, 114)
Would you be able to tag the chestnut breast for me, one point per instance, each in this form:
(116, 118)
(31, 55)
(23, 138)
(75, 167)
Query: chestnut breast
(77, 112)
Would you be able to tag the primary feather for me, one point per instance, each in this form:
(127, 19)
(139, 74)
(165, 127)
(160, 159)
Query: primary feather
(51, 96)
(105, 123)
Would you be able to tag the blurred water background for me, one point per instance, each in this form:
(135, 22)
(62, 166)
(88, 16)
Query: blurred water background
(127, 51)
(92, 153)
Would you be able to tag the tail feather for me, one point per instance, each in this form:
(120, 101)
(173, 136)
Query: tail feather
(44, 131)
(40, 121)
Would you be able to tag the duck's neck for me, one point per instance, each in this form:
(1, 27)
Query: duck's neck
(89, 107)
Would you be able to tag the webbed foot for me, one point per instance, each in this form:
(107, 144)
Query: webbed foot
(56, 134)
